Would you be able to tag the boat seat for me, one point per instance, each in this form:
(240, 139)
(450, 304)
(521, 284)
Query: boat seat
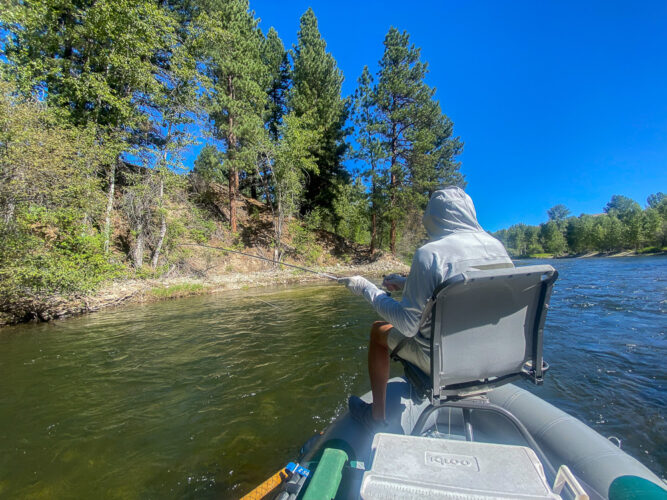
(487, 330)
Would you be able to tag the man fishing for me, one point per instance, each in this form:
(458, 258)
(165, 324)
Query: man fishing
(457, 242)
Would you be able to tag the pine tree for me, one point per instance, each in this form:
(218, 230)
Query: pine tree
(369, 150)
(276, 85)
(315, 98)
(414, 133)
(233, 62)
(278, 68)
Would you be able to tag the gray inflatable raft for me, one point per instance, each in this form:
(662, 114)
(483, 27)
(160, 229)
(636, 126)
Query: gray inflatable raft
(598, 464)
(482, 438)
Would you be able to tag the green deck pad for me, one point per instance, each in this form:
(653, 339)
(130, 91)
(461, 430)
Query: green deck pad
(328, 475)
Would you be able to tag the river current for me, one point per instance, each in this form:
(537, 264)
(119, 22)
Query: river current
(206, 397)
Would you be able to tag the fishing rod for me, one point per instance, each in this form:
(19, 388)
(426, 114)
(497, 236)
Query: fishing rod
(223, 249)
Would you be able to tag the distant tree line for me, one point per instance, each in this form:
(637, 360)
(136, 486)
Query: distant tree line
(624, 225)
(100, 99)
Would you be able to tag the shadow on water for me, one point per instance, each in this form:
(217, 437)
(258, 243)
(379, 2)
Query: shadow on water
(207, 396)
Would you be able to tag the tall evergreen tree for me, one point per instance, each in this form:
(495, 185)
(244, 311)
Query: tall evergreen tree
(432, 163)
(369, 149)
(315, 98)
(278, 69)
(276, 85)
(415, 136)
(233, 62)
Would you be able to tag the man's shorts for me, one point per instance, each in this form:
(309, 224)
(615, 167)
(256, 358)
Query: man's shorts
(411, 351)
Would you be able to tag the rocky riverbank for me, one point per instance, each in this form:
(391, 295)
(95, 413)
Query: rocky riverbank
(123, 292)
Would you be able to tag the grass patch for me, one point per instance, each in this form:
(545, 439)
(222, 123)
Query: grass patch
(652, 250)
(175, 291)
(541, 256)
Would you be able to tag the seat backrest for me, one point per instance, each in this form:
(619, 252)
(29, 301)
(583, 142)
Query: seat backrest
(487, 329)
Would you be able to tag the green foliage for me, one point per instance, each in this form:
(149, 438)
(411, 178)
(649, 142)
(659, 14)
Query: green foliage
(48, 252)
(293, 160)
(278, 70)
(656, 200)
(209, 165)
(99, 101)
(542, 255)
(624, 226)
(553, 240)
(558, 213)
(287, 162)
(231, 46)
(315, 98)
(621, 206)
(304, 239)
(404, 136)
(580, 234)
(126, 69)
(49, 204)
(93, 60)
(369, 151)
(351, 211)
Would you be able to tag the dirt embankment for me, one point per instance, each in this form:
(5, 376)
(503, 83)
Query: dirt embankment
(242, 273)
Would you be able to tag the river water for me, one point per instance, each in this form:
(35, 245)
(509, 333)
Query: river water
(207, 396)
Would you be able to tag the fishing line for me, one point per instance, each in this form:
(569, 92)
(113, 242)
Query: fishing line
(223, 249)
(264, 301)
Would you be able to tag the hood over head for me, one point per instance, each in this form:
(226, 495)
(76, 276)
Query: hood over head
(450, 210)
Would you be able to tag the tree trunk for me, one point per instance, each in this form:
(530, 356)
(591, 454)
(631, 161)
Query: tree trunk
(233, 173)
(9, 214)
(110, 196)
(233, 183)
(392, 237)
(163, 215)
(279, 229)
(373, 229)
(373, 213)
(163, 226)
(392, 196)
(138, 253)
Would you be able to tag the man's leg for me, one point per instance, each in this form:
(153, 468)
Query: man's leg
(378, 366)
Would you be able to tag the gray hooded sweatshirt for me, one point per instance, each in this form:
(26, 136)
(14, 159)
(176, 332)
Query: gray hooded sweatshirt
(457, 243)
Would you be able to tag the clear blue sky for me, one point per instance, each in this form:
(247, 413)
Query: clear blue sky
(556, 101)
